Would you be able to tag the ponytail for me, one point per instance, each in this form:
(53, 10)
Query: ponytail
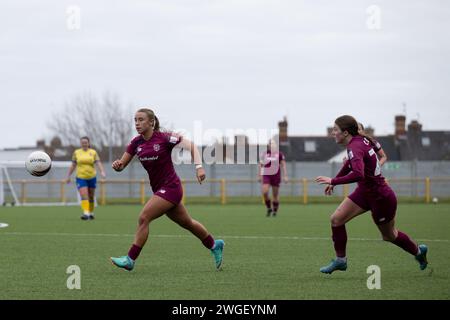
(156, 125)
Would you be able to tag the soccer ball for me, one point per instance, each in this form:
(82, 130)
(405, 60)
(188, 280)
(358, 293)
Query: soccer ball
(38, 163)
(435, 200)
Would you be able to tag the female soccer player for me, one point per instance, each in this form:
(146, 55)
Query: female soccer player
(371, 194)
(84, 160)
(154, 149)
(271, 164)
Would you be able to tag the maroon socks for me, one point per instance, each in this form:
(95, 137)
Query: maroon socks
(134, 252)
(268, 204)
(340, 240)
(276, 205)
(404, 242)
(208, 242)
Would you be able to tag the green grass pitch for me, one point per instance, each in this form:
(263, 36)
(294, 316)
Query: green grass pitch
(264, 258)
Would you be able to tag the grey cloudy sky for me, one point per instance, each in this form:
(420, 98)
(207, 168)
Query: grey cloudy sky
(229, 63)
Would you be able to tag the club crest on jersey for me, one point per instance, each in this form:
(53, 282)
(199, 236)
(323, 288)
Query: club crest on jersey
(156, 147)
(173, 139)
(139, 149)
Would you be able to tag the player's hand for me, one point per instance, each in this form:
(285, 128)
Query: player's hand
(201, 175)
(117, 165)
(344, 159)
(67, 180)
(286, 179)
(258, 178)
(323, 180)
(329, 190)
(103, 174)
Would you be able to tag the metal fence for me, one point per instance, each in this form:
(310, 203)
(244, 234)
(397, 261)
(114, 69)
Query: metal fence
(418, 181)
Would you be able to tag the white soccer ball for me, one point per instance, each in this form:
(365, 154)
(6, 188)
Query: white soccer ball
(435, 200)
(38, 163)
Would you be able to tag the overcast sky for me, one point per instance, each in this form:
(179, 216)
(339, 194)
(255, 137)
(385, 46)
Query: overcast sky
(230, 63)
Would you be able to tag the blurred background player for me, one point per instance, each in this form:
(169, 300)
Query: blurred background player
(154, 150)
(84, 160)
(372, 193)
(271, 164)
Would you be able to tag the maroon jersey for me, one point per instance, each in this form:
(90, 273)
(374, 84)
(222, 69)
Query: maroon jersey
(271, 163)
(155, 156)
(362, 165)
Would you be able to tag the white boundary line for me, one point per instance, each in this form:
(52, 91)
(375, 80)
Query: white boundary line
(189, 236)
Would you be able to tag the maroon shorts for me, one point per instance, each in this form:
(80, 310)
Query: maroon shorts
(382, 202)
(172, 193)
(274, 180)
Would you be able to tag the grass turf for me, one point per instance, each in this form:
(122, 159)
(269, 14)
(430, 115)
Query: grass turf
(264, 258)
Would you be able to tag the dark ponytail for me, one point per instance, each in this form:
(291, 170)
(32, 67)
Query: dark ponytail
(156, 128)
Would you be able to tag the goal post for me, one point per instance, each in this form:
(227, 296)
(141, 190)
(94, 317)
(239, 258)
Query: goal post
(18, 187)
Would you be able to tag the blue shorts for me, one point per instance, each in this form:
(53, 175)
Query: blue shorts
(90, 183)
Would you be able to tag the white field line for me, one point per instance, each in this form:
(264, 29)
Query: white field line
(56, 234)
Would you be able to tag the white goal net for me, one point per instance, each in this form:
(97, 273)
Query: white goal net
(18, 187)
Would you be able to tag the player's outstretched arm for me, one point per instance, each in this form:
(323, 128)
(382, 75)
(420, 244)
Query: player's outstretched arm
(100, 166)
(382, 157)
(259, 175)
(121, 164)
(284, 168)
(195, 155)
(71, 170)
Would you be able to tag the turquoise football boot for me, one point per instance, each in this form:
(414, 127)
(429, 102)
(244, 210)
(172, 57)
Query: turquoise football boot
(422, 257)
(124, 262)
(335, 265)
(217, 253)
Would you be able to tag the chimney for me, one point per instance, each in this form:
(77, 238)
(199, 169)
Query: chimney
(400, 126)
(415, 127)
(283, 133)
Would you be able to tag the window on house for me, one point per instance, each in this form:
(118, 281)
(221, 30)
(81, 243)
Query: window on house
(310, 146)
(426, 142)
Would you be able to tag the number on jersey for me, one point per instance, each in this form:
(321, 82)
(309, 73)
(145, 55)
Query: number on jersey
(378, 168)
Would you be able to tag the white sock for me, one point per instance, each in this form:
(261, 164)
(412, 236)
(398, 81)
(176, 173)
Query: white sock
(341, 259)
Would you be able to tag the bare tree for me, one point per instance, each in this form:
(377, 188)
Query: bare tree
(105, 121)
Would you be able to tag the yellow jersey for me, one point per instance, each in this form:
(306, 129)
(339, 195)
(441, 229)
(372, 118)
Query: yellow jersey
(85, 161)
